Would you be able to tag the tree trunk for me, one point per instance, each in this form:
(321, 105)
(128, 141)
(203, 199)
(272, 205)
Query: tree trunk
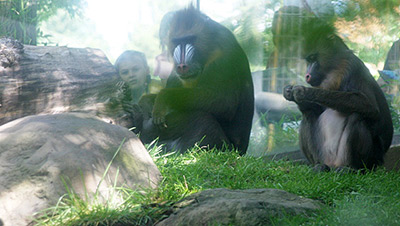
(43, 79)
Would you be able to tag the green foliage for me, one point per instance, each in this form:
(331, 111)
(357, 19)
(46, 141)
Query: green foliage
(20, 18)
(370, 8)
(252, 28)
(286, 130)
(274, 137)
(385, 13)
(245, 28)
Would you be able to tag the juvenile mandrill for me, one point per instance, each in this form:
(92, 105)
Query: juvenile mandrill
(209, 96)
(346, 119)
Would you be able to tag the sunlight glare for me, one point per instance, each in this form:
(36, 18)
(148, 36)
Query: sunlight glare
(115, 20)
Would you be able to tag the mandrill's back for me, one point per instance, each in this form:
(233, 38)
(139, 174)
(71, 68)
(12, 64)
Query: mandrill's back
(232, 68)
(239, 71)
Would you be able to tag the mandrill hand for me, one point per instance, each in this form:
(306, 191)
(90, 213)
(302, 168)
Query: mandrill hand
(294, 93)
(160, 111)
(288, 93)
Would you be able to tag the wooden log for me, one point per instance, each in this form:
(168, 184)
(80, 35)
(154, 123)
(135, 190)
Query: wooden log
(43, 79)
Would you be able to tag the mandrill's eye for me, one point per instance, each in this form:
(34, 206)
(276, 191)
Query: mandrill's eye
(312, 58)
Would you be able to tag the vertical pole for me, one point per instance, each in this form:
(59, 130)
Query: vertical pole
(271, 138)
(273, 85)
(198, 5)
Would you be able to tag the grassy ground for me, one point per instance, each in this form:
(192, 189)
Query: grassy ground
(372, 198)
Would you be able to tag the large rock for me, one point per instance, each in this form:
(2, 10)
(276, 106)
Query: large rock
(53, 79)
(392, 158)
(37, 152)
(238, 207)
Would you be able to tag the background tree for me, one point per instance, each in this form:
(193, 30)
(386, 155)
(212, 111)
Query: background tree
(369, 27)
(19, 19)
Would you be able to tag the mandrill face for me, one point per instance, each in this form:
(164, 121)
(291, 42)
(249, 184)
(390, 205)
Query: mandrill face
(189, 43)
(314, 76)
(185, 56)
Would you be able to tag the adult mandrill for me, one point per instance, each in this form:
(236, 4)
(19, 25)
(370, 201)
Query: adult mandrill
(209, 96)
(346, 119)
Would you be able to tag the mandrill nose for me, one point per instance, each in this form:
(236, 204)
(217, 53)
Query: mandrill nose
(182, 69)
(308, 77)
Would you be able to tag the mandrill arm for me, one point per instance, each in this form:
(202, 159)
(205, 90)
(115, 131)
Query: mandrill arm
(194, 99)
(345, 102)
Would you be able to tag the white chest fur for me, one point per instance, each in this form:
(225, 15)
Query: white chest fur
(332, 125)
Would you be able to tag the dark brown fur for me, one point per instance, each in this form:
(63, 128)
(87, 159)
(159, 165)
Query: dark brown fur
(346, 119)
(215, 100)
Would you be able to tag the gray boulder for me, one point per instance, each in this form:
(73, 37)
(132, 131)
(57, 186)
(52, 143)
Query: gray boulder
(392, 158)
(37, 152)
(238, 207)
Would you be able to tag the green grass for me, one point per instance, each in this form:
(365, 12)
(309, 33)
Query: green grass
(372, 198)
